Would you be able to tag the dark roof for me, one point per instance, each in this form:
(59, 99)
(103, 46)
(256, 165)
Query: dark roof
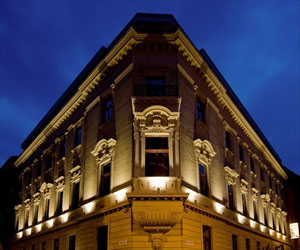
(142, 23)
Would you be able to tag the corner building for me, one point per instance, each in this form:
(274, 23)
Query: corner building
(149, 148)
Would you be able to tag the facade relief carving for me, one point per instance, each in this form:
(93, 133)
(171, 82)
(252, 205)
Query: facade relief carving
(27, 204)
(204, 151)
(36, 198)
(254, 194)
(104, 150)
(76, 156)
(230, 175)
(75, 174)
(60, 183)
(244, 186)
(46, 189)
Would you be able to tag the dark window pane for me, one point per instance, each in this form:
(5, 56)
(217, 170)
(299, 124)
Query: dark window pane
(108, 109)
(227, 140)
(200, 111)
(241, 151)
(47, 203)
(62, 152)
(43, 245)
(247, 244)
(257, 245)
(155, 87)
(252, 165)
(59, 203)
(33, 247)
(234, 242)
(77, 138)
(72, 242)
(261, 174)
(105, 180)
(102, 238)
(206, 238)
(230, 197)
(75, 195)
(245, 211)
(203, 180)
(56, 244)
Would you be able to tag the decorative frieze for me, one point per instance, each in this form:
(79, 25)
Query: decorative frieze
(18, 209)
(104, 150)
(27, 204)
(230, 175)
(46, 189)
(254, 194)
(75, 174)
(273, 207)
(204, 151)
(265, 199)
(36, 198)
(60, 183)
(244, 186)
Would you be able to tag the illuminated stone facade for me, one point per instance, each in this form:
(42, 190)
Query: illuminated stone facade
(150, 149)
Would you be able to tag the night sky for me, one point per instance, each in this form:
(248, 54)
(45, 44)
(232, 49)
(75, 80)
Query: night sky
(255, 44)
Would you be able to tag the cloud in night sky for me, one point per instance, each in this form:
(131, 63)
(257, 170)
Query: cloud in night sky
(255, 45)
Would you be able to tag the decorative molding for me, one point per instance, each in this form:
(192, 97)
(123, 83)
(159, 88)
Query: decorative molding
(204, 151)
(60, 183)
(244, 186)
(18, 209)
(46, 189)
(76, 155)
(230, 175)
(273, 207)
(27, 204)
(75, 174)
(265, 199)
(254, 194)
(36, 198)
(104, 150)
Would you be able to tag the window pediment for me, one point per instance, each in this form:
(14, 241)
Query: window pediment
(46, 189)
(104, 150)
(230, 175)
(204, 151)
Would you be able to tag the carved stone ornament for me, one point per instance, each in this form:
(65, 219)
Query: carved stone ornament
(156, 119)
(46, 189)
(284, 213)
(244, 186)
(204, 151)
(273, 207)
(157, 223)
(265, 198)
(230, 175)
(254, 194)
(75, 174)
(18, 209)
(77, 154)
(60, 183)
(36, 198)
(27, 204)
(104, 150)
(278, 211)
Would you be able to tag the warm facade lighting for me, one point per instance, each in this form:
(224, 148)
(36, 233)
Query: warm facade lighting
(89, 207)
(278, 235)
(219, 208)
(158, 182)
(252, 224)
(50, 223)
(19, 235)
(192, 195)
(28, 231)
(241, 218)
(38, 227)
(262, 228)
(64, 218)
(120, 195)
(271, 231)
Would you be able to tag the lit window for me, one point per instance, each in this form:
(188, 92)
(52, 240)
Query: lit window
(108, 109)
(200, 111)
(234, 242)
(157, 156)
(155, 86)
(230, 197)
(227, 140)
(105, 180)
(72, 242)
(203, 180)
(206, 238)
(102, 238)
(77, 136)
(75, 195)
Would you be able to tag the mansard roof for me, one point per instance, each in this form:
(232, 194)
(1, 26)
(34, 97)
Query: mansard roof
(141, 23)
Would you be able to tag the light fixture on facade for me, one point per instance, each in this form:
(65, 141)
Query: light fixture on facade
(241, 218)
(120, 195)
(271, 231)
(64, 218)
(19, 235)
(262, 228)
(278, 235)
(50, 223)
(252, 223)
(28, 231)
(219, 208)
(38, 227)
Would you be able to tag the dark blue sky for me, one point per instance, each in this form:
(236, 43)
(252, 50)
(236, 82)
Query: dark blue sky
(255, 45)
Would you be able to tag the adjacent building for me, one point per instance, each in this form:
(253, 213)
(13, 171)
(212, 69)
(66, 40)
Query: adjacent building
(149, 148)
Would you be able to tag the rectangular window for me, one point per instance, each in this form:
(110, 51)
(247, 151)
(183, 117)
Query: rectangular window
(265, 215)
(203, 180)
(245, 211)
(247, 244)
(62, 152)
(234, 242)
(32, 247)
(155, 86)
(26, 218)
(105, 180)
(108, 109)
(56, 244)
(77, 136)
(59, 206)
(47, 205)
(241, 151)
(206, 238)
(72, 242)
(227, 140)
(230, 197)
(255, 211)
(36, 214)
(50, 161)
(200, 111)
(102, 238)
(43, 245)
(257, 245)
(75, 195)
(157, 156)
(252, 164)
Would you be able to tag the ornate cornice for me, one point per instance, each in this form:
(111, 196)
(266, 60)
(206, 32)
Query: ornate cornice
(75, 174)
(204, 151)
(60, 183)
(36, 198)
(254, 194)
(244, 186)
